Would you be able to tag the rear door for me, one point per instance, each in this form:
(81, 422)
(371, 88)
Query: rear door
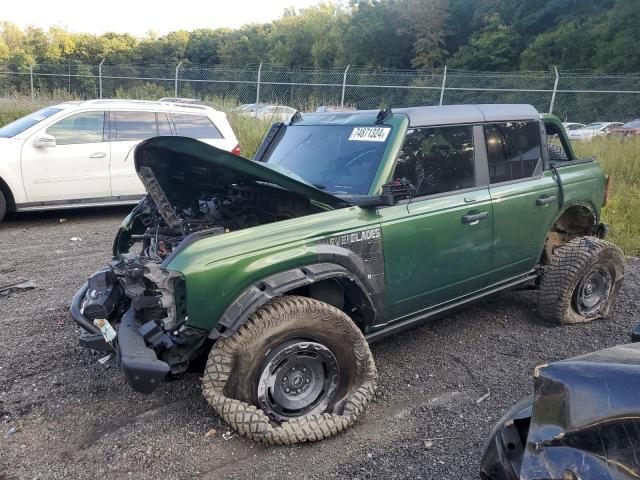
(438, 245)
(524, 196)
(76, 168)
(128, 128)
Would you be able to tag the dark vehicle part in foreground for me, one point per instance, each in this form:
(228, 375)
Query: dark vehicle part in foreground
(344, 229)
(582, 422)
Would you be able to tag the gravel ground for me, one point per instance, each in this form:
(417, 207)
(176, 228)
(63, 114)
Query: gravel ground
(77, 418)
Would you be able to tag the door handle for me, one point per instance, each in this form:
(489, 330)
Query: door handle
(98, 155)
(473, 218)
(545, 200)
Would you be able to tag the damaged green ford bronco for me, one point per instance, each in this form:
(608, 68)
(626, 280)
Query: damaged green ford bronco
(343, 229)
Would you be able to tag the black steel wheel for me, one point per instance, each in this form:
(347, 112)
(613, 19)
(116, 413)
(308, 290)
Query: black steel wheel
(299, 377)
(593, 290)
(581, 281)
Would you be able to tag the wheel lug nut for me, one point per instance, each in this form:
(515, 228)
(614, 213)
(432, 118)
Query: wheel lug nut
(304, 369)
(284, 379)
(293, 369)
(298, 390)
(308, 380)
(287, 390)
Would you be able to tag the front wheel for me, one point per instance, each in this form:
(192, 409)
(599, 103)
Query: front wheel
(581, 282)
(3, 207)
(298, 370)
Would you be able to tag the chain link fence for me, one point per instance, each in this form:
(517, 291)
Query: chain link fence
(574, 96)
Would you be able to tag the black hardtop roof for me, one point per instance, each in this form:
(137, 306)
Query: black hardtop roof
(438, 115)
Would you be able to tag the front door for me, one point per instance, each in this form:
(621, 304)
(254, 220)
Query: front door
(438, 245)
(76, 168)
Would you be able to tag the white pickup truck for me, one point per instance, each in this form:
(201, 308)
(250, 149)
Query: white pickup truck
(80, 153)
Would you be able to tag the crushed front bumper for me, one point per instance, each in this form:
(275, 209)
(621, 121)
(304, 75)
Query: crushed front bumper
(140, 364)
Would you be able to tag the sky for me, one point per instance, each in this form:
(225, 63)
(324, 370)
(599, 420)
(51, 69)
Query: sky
(140, 16)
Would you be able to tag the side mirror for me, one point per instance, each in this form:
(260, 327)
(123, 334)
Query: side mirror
(400, 189)
(44, 140)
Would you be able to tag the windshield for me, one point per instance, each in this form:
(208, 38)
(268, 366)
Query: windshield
(594, 126)
(20, 125)
(340, 159)
(632, 124)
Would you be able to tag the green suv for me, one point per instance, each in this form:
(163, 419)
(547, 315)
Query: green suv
(343, 229)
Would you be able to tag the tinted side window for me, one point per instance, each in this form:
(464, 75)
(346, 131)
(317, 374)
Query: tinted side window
(85, 127)
(513, 149)
(437, 160)
(195, 126)
(134, 125)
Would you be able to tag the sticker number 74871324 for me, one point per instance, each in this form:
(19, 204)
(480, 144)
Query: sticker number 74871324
(369, 134)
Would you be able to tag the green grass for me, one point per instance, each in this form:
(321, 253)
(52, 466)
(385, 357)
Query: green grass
(249, 131)
(619, 159)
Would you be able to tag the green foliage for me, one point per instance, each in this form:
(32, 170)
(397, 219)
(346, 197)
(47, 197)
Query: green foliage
(494, 47)
(620, 159)
(468, 34)
(249, 131)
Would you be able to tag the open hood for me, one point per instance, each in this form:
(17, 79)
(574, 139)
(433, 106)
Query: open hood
(184, 168)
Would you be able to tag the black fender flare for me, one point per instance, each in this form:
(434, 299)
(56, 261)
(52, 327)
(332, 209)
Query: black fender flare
(278, 284)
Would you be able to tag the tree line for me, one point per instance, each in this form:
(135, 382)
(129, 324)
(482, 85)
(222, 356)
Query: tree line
(491, 35)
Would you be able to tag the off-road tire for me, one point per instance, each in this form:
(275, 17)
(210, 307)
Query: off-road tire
(3, 206)
(568, 266)
(233, 364)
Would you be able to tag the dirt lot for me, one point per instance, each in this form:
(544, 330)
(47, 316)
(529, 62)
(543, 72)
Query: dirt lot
(77, 418)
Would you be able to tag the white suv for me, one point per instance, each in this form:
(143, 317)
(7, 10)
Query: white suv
(81, 153)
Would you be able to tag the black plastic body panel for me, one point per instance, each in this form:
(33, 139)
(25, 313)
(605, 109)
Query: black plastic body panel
(141, 366)
(260, 293)
(583, 422)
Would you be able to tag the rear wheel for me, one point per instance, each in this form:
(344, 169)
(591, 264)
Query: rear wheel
(581, 281)
(298, 370)
(3, 206)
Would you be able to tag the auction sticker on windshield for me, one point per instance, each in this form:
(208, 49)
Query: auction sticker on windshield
(369, 134)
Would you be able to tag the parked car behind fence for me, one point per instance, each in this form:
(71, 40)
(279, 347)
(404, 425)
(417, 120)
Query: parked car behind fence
(593, 130)
(628, 129)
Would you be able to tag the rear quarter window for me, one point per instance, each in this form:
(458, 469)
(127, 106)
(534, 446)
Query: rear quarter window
(195, 126)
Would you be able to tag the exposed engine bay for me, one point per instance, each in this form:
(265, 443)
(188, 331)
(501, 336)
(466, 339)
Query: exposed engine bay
(160, 227)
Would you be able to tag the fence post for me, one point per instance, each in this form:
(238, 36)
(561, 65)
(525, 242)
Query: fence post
(31, 80)
(100, 77)
(444, 81)
(258, 85)
(344, 85)
(555, 89)
(175, 90)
